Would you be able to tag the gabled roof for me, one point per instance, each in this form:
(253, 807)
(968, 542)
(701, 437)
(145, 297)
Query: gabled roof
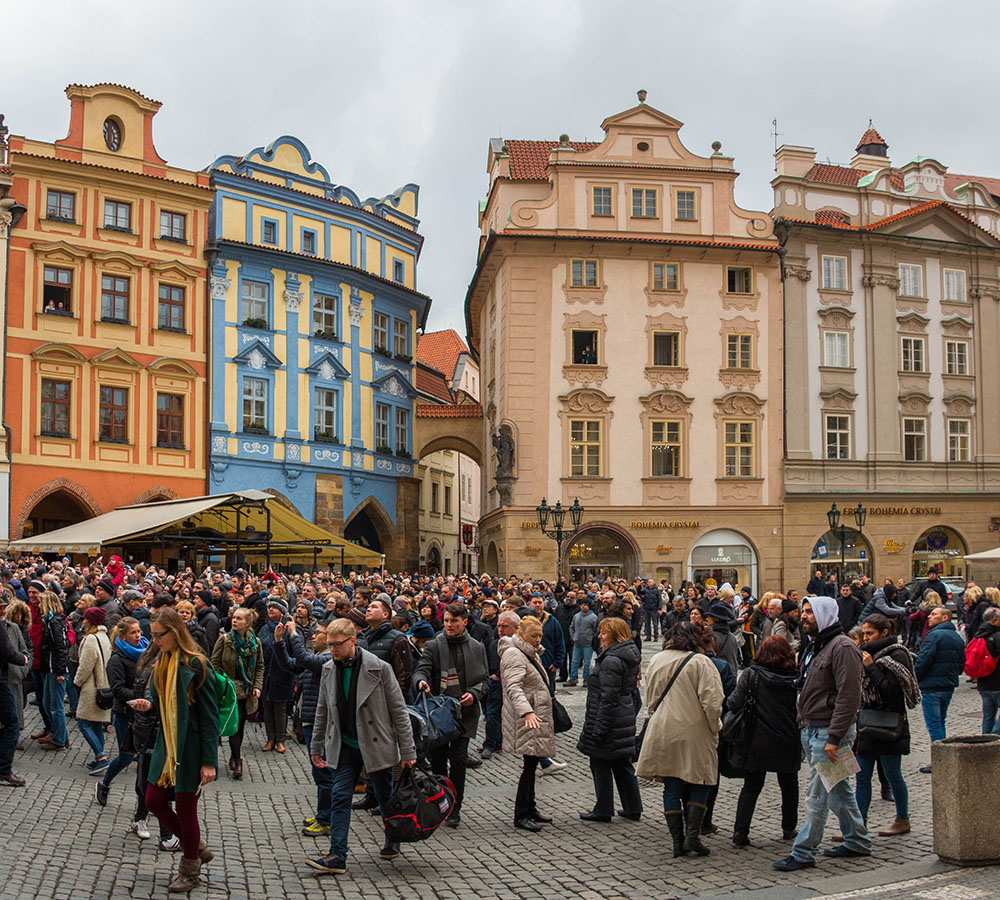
(529, 159)
(432, 382)
(440, 350)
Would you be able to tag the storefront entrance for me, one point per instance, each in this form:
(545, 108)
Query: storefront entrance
(724, 556)
(942, 547)
(857, 555)
(599, 553)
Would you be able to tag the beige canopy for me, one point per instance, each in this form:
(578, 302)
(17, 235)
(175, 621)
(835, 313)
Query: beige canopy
(986, 556)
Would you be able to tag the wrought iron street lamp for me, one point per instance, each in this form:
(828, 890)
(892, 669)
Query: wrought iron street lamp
(833, 517)
(558, 515)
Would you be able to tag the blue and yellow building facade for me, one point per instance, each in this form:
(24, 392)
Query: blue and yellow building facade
(313, 327)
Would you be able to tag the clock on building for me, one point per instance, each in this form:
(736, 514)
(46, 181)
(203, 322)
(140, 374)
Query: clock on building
(112, 134)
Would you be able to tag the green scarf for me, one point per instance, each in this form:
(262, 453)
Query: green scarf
(246, 657)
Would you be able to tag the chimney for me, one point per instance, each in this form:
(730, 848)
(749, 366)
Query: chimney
(794, 162)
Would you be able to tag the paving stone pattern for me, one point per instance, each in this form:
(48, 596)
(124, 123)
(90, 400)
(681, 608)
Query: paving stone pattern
(58, 843)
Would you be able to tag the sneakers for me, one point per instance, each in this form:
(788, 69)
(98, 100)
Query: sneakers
(553, 768)
(845, 852)
(791, 864)
(334, 865)
(486, 752)
(316, 829)
(139, 829)
(389, 851)
(98, 766)
(101, 791)
(171, 844)
(310, 821)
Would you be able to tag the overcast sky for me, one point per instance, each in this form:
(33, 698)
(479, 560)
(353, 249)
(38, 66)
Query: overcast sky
(384, 93)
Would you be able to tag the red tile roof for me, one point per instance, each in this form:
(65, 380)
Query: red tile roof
(7, 170)
(112, 84)
(844, 175)
(440, 350)
(433, 383)
(641, 239)
(888, 220)
(832, 217)
(952, 181)
(529, 159)
(466, 411)
(871, 136)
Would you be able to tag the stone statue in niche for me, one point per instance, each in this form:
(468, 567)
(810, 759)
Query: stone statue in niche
(503, 441)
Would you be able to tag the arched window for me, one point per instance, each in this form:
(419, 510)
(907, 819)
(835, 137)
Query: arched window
(939, 546)
(857, 557)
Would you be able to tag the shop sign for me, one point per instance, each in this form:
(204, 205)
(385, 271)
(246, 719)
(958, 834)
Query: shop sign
(526, 525)
(728, 555)
(497, 527)
(663, 548)
(663, 524)
(892, 547)
(821, 551)
(531, 548)
(904, 511)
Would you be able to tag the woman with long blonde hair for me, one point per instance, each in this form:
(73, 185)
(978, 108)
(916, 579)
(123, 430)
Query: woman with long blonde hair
(185, 756)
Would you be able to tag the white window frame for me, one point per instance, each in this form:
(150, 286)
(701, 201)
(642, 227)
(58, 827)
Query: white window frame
(959, 440)
(382, 426)
(911, 280)
(324, 410)
(255, 392)
(380, 331)
(954, 285)
(910, 430)
(402, 437)
(840, 431)
(956, 353)
(913, 354)
(837, 357)
(834, 276)
(251, 305)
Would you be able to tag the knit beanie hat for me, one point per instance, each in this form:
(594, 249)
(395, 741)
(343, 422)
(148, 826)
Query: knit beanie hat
(95, 615)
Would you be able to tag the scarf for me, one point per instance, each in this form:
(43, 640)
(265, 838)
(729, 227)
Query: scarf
(902, 672)
(347, 698)
(165, 680)
(453, 675)
(127, 650)
(246, 657)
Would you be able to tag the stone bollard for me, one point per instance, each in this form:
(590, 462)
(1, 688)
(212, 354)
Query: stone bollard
(963, 794)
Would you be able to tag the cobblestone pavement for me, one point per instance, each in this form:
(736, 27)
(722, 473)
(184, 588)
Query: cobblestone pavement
(58, 843)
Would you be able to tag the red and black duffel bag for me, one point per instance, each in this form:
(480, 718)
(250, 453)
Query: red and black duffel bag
(420, 803)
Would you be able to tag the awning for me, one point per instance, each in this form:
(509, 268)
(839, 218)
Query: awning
(251, 520)
(986, 556)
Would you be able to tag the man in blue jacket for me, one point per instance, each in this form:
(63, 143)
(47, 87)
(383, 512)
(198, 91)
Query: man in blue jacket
(938, 668)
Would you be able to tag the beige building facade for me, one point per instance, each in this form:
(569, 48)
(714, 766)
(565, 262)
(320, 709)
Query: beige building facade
(891, 336)
(626, 316)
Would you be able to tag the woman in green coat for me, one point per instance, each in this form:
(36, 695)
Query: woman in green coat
(185, 756)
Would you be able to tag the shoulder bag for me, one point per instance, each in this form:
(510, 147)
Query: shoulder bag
(642, 734)
(104, 697)
(880, 725)
(737, 725)
(561, 722)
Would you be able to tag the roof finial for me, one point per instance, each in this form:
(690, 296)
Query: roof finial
(564, 139)
(641, 94)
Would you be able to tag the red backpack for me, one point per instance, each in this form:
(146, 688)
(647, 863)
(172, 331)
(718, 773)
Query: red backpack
(979, 662)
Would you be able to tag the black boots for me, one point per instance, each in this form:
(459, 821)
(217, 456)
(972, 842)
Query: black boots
(675, 822)
(694, 816)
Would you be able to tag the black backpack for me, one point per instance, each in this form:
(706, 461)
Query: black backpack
(420, 803)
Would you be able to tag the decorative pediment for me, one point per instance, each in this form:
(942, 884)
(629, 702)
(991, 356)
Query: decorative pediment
(739, 403)
(174, 267)
(666, 322)
(328, 367)
(584, 319)
(935, 220)
(838, 398)
(739, 325)
(395, 384)
(914, 401)
(257, 355)
(116, 357)
(836, 316)
(912, 323)
(666, 402)
(58, 353)
(59, 250)
(117, 256)
(169, 365)
(956, 326)
(959, 404)
(586, 400)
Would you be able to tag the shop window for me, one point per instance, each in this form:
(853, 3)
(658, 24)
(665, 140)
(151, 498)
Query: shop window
(915, 440)
(857, 555)
(57, 291)
(584, 347)
(114, 415)
(941, 547)
(585, 448)
(169, 420)
(739, 279)
(55, 408)
(666, 348)
(665, 448)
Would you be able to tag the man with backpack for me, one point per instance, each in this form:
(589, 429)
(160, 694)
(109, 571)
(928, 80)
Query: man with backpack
(981, 663)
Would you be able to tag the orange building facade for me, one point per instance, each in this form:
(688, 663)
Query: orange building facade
(107, 337)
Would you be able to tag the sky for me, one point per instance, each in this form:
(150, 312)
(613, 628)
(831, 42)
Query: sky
(385, 93)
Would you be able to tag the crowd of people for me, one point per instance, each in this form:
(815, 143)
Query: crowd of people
(741, 687)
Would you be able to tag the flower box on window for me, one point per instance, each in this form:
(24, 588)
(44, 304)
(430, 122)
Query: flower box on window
(255, 322)
(327, 437)
(384, 449)
(255, 429)
(383, 351)
(404, 454)
(328, 335)
(404, 357)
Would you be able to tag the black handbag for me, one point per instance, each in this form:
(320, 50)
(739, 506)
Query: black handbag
(642, 734)
(880, 726)
(104, 697)
(737, 725)
(560, 718)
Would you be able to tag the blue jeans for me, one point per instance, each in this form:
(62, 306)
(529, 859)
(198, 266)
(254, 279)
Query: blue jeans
(673, 788)
(991, 710)
(123, 759)
(53, 697)
(581, 655)
(72, 691)
(494, 703)
(893, 768)
(652, 625)
(93, 734)
(10, 728)
(820, 802)
(322, 778)
(344, 777)
(38, 678)
(935, 708)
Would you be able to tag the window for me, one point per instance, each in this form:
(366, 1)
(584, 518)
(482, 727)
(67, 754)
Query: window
(173, 226)
(911, 281)
(255, 405)
(325, 414)
(114, 298)
(117, 216)
(57, 290)
(400, 337)
(434, 498)
(325, 316)
(398, 271)
(838, 437)
(447, 499)
(602, 201)
(60, 205)
(666, 276)
(739, 280)
(643, 203)
(666, 348)
(585, 448)
(836, 349)
(171, 308)
(685, 205)
(915, 440)
(380, 323)
(309, 242)
(958, 440)
(382, 428)
(739, 351)
(114, 415)
(665, 449)
(954, 285)
(254, 296)
(739, 449)
(55, 408)
(835, 273)
(402, 431)
(913, 355)
(584, 273)
(584, 347)
(169, 420)
(269, 231)
(957, 355)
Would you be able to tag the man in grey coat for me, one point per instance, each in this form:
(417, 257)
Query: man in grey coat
(361, 723)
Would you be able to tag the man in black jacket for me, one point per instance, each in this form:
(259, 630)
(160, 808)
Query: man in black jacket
(564, 613)
(849, 606)
(10, 724)
(208, 615)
